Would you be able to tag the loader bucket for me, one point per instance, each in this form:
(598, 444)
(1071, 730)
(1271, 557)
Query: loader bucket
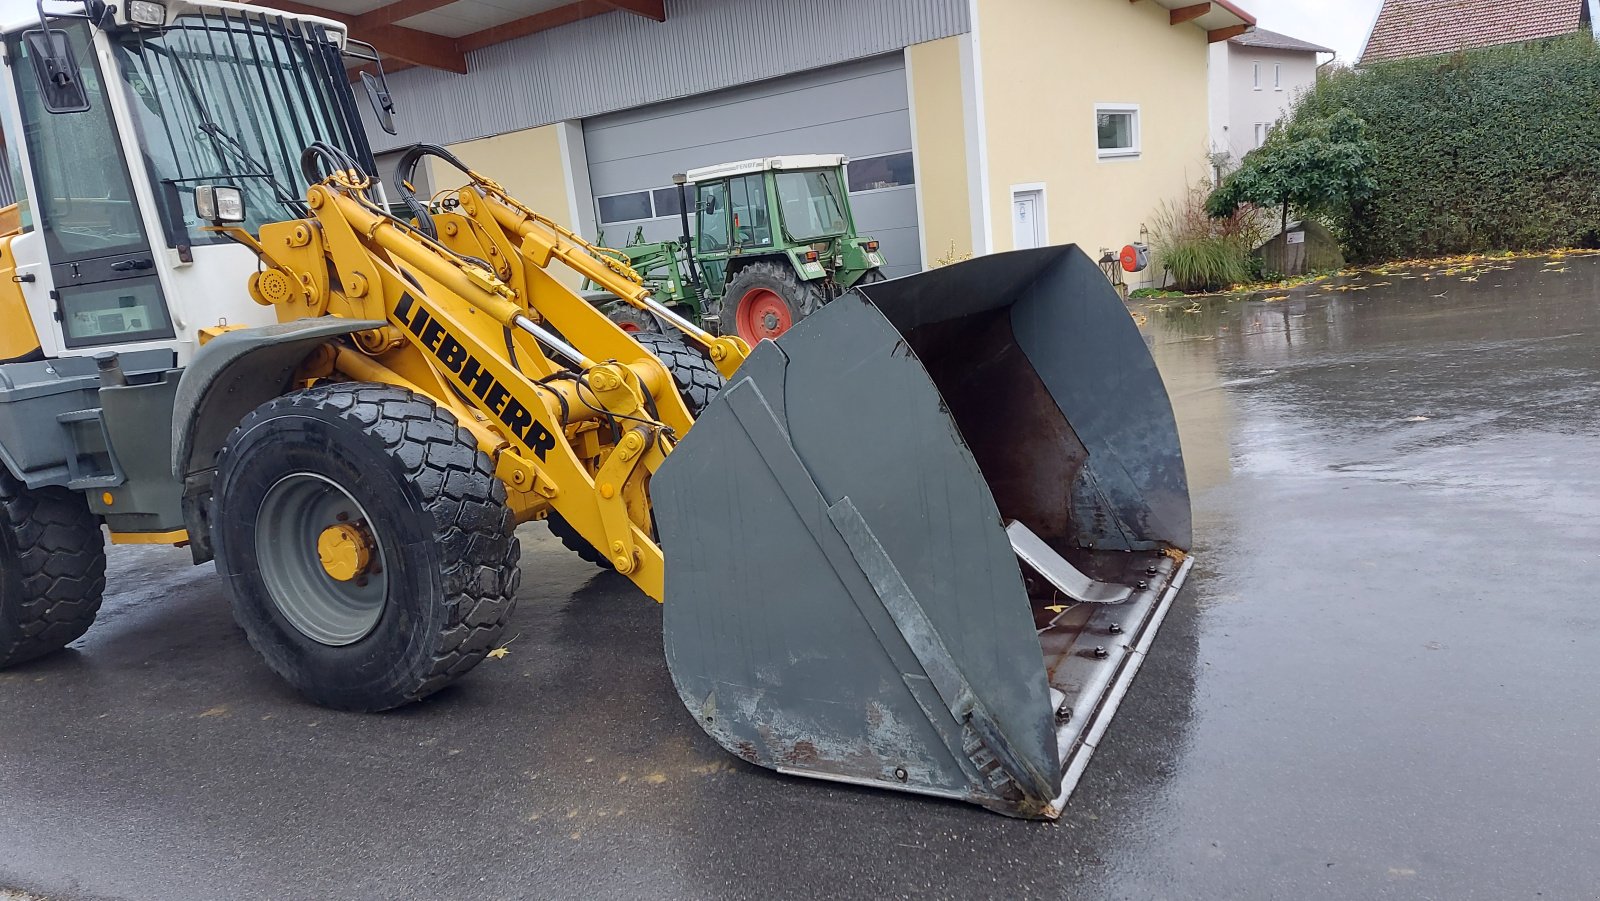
(924, 541)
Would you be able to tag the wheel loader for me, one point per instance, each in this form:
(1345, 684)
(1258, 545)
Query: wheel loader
(922, 542)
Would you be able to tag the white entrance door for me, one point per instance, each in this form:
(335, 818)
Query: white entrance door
(1027, 218)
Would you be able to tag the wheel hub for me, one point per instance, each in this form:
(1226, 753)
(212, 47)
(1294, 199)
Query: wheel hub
(344, 551)
(762, 313)
(320, 561)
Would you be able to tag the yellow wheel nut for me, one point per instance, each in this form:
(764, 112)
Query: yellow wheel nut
(608, 490)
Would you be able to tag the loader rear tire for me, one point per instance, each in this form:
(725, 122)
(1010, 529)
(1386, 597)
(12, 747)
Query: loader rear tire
(437, 580)
(697, 379)
(698, 383)
(52, 569)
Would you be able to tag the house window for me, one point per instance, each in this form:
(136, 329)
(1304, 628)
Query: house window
(1277, 76)
(624, 207)
(1261, 133)
(874, 173)
(1116, 129)
(1255, 75)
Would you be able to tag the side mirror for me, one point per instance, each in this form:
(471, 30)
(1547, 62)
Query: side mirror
(711, 205)
(219, 204)
(56, 68)
(378, 95)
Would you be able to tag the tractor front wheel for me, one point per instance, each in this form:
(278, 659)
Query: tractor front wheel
(766, 299)
(366, 543)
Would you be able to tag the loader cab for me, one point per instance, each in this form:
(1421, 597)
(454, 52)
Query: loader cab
(114, 124)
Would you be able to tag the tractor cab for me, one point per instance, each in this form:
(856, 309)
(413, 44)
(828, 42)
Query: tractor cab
(775, 239)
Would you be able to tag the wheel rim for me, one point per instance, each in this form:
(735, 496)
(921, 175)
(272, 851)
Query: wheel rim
(631, 328)
(320, 559)
(762, 313)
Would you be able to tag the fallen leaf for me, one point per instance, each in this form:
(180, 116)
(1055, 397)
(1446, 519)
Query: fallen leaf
(1418, 418)
(1056, 608)
(498, 653)
(1275, 298)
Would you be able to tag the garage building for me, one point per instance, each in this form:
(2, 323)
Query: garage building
(971, 126)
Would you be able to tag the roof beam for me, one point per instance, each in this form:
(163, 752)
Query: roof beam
(1216, 35)
(650, 9)
(517, 28)
(1188, 13)
(395, 12)
(406, 44)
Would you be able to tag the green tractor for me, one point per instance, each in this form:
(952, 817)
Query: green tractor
(774, 240)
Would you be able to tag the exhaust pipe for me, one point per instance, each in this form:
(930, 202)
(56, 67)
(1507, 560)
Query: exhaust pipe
(924, 541)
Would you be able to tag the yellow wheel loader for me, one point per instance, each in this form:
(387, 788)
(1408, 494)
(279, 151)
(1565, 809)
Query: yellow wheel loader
(922, 542)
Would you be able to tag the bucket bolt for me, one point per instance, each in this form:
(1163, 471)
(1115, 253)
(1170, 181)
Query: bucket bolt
(1116, 629)
(1100, 653)
(900, 774)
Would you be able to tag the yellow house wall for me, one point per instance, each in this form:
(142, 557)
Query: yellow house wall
(527, 163)
(1044, 65)
(939, 125)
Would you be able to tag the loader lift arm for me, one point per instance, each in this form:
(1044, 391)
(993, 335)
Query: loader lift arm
(497, 342)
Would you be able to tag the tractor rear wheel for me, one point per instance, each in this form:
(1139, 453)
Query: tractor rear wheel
(366, 543)
(766, 299)
(52, 569)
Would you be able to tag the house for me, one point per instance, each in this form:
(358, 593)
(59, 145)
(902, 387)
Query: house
(1406, 29)
(972, 126)
(1254, 79)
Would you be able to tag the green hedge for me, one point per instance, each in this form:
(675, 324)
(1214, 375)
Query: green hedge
(1495, 149)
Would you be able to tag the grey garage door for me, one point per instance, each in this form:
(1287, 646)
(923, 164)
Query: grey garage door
(858, 109)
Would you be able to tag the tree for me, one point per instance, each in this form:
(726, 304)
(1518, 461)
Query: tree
(1315, 165)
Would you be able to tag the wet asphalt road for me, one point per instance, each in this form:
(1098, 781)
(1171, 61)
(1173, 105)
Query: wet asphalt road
(1382, 681)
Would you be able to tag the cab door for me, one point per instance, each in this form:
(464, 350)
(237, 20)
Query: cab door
(106, 290)
(712, 233)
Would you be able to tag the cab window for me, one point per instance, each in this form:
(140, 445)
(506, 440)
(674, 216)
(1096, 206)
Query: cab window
(752, 226)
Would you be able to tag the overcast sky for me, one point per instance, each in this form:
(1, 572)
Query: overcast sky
(1340, 24)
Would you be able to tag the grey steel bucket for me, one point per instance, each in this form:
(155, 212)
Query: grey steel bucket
(924, 540)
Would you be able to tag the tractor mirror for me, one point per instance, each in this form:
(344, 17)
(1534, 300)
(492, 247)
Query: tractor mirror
(711, 205)
(56, 68)
(382, 104)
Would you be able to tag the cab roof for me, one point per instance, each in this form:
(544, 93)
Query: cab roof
(762, 164)
(23, 16)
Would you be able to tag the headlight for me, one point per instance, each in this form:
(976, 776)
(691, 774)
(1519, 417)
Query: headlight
(219, 204)
(147, 12)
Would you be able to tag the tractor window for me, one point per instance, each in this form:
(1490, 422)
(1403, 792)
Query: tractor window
(713, 218)
(235, 98)
(811, 205)
(752, 226)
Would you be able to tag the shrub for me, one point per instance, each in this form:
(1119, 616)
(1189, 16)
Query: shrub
(1483, 150)
(1203, 253)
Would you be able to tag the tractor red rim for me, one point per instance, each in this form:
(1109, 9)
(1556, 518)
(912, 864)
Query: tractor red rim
(762, 313)
(631, 328)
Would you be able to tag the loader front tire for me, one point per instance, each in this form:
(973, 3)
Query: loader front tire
(52, 569)
(366, 543)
